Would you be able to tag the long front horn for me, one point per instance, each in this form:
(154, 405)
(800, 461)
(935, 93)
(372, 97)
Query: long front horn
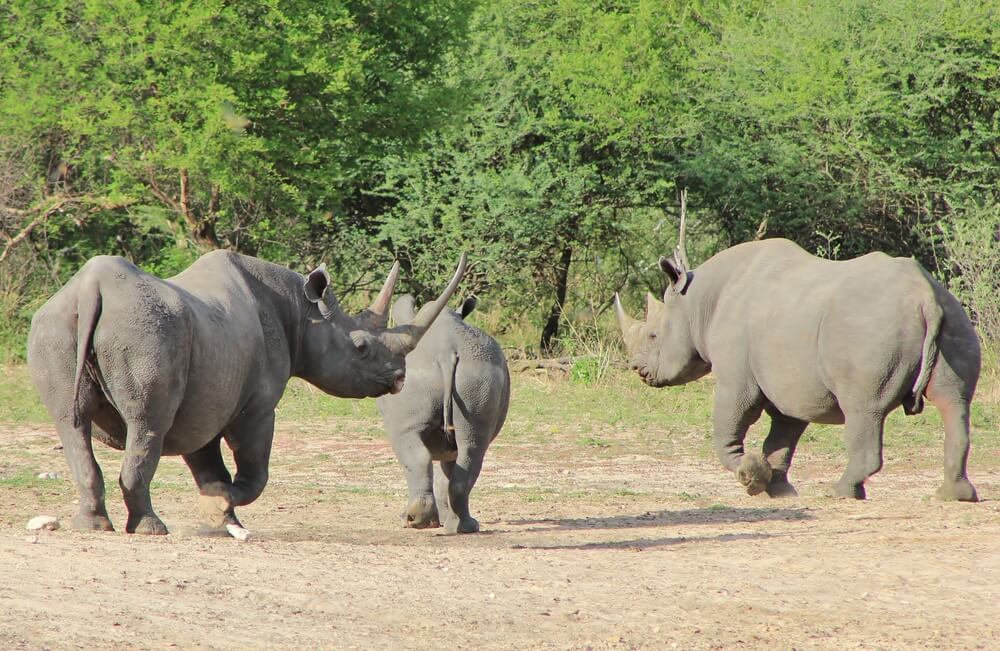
(624, 320)
(410, 334)
(377, 314)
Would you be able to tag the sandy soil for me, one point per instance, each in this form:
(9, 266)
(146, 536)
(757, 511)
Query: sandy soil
(580, 549)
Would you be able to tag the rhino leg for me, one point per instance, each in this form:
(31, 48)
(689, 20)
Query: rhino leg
(951, 388)
(214, 482)
(421, 512)
(863, 435)
(956, 486)
(779, 447)
(462, 475)
(143, 446)
(733, 414)
(77, 446)
(250, 438)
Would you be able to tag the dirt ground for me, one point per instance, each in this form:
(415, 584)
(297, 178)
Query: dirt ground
(580, 549)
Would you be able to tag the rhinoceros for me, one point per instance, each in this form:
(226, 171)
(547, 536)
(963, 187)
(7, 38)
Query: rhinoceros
(810, 340)
(176, 366)
(452, 407)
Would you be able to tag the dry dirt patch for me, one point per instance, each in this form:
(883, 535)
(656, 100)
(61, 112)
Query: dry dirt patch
(580, 549)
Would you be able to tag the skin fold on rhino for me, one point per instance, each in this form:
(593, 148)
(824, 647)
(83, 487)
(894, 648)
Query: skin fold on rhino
(176, 366)
(809, 340)
(452, 407)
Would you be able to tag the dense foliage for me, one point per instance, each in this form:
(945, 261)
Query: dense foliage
(549, 138)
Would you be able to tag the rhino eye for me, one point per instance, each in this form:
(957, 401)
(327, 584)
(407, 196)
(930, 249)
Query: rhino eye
(652, 335)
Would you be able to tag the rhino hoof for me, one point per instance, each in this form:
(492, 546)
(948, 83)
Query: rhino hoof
(754, 473)
(148, 525)
(779, 486)
(214, 505)
(462, 525)
(421, 513)
(850, 491)
(89, 522)
(961, 491)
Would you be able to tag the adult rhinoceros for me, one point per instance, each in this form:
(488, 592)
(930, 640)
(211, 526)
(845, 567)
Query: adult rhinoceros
(810, 340)
(175, 366)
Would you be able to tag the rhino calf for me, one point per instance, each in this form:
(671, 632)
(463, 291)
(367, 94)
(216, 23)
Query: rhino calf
(450, 410)
(809, 340)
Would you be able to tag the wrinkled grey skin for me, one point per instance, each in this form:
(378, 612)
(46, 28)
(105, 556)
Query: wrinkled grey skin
(809, 340)
(176, 366)
(453, 405)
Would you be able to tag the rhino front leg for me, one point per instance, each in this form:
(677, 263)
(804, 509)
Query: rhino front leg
(421, 511)
(863, 435)
(214, 482)
(779, 447)
(734, 413)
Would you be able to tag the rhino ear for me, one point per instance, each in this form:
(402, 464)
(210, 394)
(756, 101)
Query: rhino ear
(316, 283)
(404, 310)
(676, 275)
(469, 305)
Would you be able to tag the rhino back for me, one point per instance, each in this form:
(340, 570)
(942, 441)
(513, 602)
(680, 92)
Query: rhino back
(808, 329)
(198, 337)
(481, 378)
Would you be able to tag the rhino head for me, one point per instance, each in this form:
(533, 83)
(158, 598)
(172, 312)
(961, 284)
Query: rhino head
(661, 347)
(358, 356)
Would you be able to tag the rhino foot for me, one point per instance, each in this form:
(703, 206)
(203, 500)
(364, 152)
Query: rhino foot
(754, 473)
(91, 522)
(461, 525)
(147, 525)
(779, 486)
(421, 513)
(215, 506)
(961, 490)
(849, 490)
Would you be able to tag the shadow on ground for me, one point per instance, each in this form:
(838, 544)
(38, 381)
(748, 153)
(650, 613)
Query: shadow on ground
(712, 515)
(640, 544)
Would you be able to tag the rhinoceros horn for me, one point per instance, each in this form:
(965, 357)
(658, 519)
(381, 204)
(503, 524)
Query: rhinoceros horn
(406, 337)
(625, 322)
(376, 316)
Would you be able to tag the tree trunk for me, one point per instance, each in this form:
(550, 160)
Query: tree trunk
(551, 329)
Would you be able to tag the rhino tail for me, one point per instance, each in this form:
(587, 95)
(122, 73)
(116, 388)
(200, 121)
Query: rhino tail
(932, 313)
(88, 311)
(448, 368)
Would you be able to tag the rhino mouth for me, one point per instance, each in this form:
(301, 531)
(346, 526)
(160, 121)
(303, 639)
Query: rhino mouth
(650, 379)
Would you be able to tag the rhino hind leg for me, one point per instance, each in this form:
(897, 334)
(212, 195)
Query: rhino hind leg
(461, 477)
(92, 514)
(78, 449)
(951, 389)
(779, 447)
(421, 511)
(956, 485)
(863, 435)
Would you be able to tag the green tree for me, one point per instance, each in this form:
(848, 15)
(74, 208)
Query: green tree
(566, 156)
(255, 125)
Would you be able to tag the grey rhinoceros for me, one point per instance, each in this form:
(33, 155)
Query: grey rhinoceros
(175, 366)
(452, 407)
(809, 340)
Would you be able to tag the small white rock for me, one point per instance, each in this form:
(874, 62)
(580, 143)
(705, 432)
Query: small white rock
(237, 532)
(48, 475)
(31, 539)
(40, 522)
